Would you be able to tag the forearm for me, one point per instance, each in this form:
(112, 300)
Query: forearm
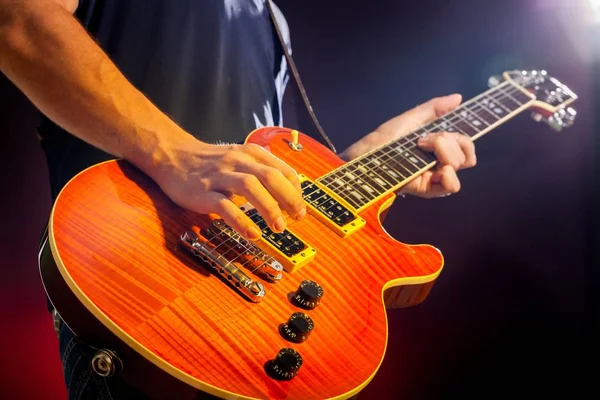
(362, 146)
(47, 54)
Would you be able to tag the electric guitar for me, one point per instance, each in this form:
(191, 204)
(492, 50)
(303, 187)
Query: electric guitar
(182, 306)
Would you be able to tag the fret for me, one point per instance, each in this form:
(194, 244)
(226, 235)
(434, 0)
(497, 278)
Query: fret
(421, 132)
(468, 119)
(410, 156)
(363, 168)
(486, 113)
(521, 97)
(395, 168)
(427, 157)
(382, 169)
(444, 126)
(509, 101)
(412, 139)
(474, 117)
(382, 183)
(495, 106)
(404, 162)
(376, 160)
(328, 180)
(354, 184)
(353, 197)
(464, 127)
(392, 169)
(337, 182)
(364, 190)
(430, 128)
(360, 182)
(455, 123)
(365, 179)
(372, 179)
(393, 165)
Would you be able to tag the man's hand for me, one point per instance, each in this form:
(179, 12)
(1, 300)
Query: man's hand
(46, 52)
(202, 177)
(452, 150)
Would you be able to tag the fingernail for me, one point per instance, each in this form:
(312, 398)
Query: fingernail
(423, 140)
(253, 233)
(301, 214)
(279, 224)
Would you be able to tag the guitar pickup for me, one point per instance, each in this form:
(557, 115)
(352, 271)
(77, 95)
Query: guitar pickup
(329, 210)
(245, 252)
(289, 249)
(210, 254)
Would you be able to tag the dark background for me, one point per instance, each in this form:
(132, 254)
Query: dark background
(510, 312)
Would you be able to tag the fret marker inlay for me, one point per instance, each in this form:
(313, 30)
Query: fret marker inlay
(366, 178)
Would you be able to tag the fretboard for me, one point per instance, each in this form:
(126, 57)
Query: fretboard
(388, 168)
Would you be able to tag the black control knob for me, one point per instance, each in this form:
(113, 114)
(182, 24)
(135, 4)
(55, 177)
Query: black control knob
(308, 295)
(285, 366)
(297, 328)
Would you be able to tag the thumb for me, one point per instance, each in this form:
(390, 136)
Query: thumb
(422, 114)
(434, 108)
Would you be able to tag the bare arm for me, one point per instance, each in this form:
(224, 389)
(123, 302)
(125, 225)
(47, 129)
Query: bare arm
(47, 54)
(52, 59)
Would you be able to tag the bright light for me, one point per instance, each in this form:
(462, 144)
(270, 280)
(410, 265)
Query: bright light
(595, 8)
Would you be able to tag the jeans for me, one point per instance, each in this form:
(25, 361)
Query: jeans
(80, 379)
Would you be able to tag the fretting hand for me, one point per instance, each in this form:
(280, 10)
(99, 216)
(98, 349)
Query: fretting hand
(452, 150)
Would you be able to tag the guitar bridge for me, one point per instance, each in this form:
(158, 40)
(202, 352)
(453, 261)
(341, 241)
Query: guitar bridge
(210, 254)
(243, 251)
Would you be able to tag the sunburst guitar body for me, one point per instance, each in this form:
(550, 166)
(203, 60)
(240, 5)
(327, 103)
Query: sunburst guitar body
(183, 307)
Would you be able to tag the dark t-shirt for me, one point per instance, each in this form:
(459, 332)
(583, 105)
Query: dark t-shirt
(214, 66)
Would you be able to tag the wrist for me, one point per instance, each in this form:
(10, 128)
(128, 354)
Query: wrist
(156, 151)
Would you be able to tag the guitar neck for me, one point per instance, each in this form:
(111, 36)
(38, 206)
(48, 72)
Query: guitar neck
(386, 169)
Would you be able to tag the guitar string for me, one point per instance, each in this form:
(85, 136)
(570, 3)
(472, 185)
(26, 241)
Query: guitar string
(465, 104)
(411, 138)
(381, 177)
(454, 119)
(236, 240)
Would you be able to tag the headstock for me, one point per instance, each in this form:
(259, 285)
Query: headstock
(551, 96)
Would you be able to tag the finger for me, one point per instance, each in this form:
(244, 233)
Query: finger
(445, 147)
(213, 202)
(444, 181)
(270, 159)
(279, 187)
(422, 114)
(252, 189)
(468, 149)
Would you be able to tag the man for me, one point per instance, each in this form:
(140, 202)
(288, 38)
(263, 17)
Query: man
(158, 83)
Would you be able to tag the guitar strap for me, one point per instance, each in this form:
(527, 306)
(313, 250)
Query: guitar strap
(294, 70)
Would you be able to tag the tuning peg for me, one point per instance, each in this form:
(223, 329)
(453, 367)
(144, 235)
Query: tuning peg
(494, 81)
(570, 115)
(555, 122)
(562, 118)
